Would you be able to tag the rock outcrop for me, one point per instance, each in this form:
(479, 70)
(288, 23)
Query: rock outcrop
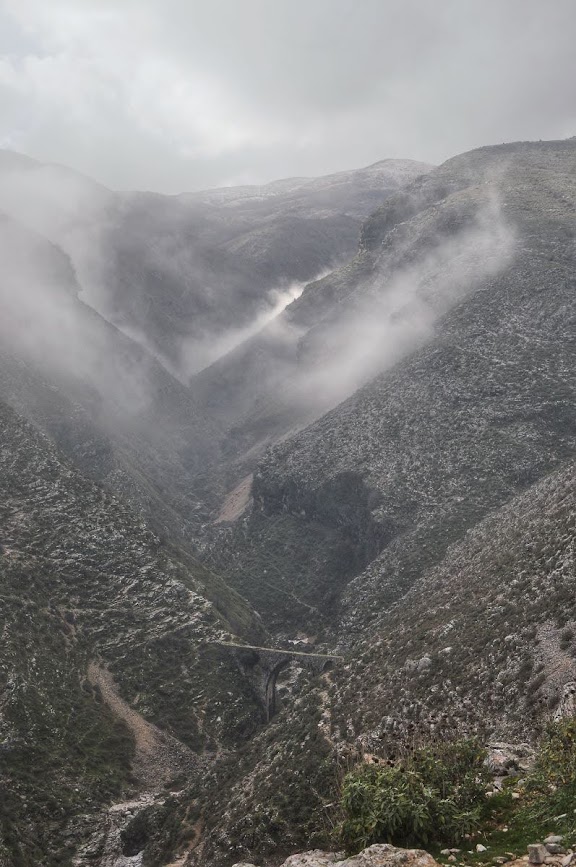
(379, 855)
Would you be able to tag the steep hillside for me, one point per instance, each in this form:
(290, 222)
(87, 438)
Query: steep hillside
(482, 644)
(219, 260)
(171, 276)
(89, 594)
(115, 411)
(380, 486)
(433, 244)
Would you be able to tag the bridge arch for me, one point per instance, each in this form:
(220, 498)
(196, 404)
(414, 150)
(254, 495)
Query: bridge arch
(262, 665)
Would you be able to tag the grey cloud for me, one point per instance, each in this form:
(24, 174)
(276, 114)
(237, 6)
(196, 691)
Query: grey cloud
(183, 95)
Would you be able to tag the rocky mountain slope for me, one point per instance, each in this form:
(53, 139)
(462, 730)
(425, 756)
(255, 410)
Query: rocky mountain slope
(90, 594)
(113, 686)
(98, 286)
(482, 644)
(431, 245)
(381, 485)
(413, 521)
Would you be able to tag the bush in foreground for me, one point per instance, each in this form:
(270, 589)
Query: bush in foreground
(436, 794)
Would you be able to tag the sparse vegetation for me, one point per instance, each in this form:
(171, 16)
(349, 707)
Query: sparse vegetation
(437, 796)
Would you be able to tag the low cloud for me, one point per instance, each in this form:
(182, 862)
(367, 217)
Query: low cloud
(198, 354)
(398, 312)
(45, 323)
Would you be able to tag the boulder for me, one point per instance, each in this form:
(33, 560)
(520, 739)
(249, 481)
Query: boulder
(424, 664)
(314, 858)
(537, 853)
(509, 759)
(384, 855)
(567, 704)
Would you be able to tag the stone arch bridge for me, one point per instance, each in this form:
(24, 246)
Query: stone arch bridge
(262, 665)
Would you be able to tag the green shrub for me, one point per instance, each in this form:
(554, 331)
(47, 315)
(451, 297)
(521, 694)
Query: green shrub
(435, 794)
(550, 787)
(556, 759)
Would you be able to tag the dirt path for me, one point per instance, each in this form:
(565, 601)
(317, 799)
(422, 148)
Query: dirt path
(159, 757)
(195, 844)
(236, 502)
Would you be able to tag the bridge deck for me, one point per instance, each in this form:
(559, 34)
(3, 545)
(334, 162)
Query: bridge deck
(284, 652)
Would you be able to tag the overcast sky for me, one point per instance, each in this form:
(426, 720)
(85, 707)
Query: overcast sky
(176, 95)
